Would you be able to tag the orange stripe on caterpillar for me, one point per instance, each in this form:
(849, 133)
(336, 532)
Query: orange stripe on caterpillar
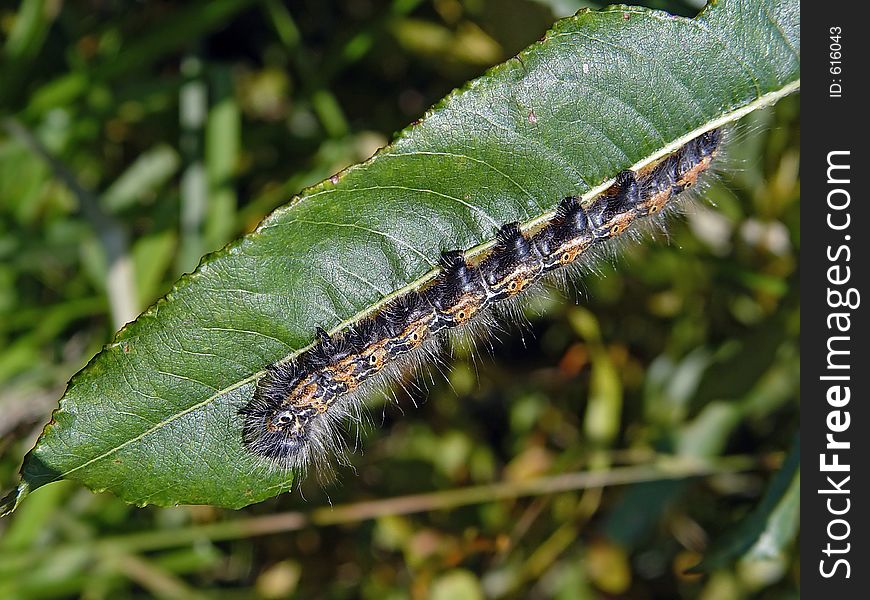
(294, 408)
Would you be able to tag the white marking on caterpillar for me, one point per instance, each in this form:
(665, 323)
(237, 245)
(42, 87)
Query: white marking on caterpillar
(300, 407)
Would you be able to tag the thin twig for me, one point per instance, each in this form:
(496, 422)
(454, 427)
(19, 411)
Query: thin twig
(243, 528)
(158, 581)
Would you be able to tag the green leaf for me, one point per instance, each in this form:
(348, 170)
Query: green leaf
(153, 417)
(147, 173)
(196, 19)
(770, 527)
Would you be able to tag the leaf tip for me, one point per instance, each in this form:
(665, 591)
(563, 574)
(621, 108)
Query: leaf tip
(11, 500)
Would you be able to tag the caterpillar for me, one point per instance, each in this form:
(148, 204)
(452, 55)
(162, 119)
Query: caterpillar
(296, 414)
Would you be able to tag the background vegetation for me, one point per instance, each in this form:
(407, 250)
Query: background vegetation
(142, 135)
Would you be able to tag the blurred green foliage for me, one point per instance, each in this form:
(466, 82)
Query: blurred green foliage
(178, 126)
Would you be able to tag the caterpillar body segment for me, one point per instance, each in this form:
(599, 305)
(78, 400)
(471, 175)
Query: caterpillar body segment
(299, 407)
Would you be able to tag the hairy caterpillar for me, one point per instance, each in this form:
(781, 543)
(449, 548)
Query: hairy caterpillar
(297, 412)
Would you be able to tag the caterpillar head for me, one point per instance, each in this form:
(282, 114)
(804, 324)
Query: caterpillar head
(278, 433)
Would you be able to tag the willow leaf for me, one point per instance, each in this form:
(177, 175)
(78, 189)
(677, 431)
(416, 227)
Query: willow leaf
(153, 417)
(769, 528)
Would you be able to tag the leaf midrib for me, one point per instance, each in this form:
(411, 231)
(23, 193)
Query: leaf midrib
(726, 118)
